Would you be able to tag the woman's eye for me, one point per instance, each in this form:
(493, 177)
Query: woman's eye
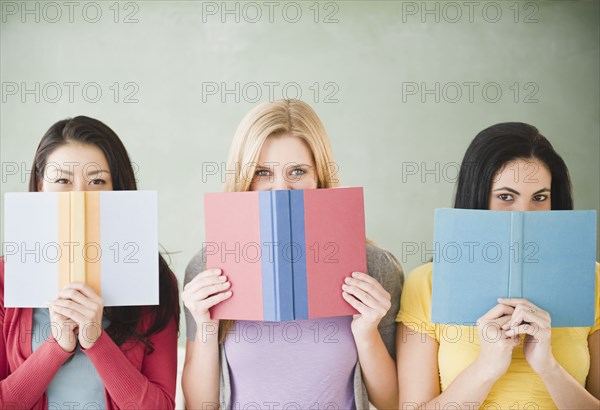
(298, 172)
(505, 197)
(540, 198)
(262, 173)
(61, 181)
(97, 182)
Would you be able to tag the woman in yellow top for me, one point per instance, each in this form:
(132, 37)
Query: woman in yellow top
(512, 167)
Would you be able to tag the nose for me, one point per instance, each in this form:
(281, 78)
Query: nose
(281, 182)
(523, 205)
(80, 184)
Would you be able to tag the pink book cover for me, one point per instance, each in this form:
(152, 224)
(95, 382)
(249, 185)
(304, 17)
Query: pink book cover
(232, 226)
(335, 247)
(331, 227)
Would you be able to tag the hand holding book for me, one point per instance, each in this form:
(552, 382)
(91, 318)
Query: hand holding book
(63, 330)
(496, 347)
(535, 324)
(500, 331)
(365, 294)
(79, 303)
(206, 290)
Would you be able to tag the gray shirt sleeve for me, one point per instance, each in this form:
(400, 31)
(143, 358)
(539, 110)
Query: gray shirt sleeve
(384, 267)
(197, 264)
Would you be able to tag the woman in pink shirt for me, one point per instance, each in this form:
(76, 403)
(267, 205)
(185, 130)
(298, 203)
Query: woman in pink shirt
(130, 359)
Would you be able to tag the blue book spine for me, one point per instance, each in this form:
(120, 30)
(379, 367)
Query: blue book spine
(298, 256)
(283, 240)
(278, 298)
(515, 274)
(268, 260)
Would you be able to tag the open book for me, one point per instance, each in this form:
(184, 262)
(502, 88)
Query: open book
(286, 253)
(106, 239)
(548, 257)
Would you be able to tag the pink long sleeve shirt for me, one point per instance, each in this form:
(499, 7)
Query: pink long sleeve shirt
(133, 379)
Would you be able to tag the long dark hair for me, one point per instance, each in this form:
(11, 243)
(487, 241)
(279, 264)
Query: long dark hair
(498, 145)
(124, 320)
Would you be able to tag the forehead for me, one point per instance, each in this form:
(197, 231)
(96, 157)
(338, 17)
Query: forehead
(285, 146)
(523, 172)
(77, 154)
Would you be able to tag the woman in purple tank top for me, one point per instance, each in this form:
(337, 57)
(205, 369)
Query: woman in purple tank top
(330, 363)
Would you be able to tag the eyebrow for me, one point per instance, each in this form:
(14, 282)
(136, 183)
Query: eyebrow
(96, 172)
(517, 193)
(296, 164)
(99, 171)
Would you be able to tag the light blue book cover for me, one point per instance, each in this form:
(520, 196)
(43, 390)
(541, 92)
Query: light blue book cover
(548, 257)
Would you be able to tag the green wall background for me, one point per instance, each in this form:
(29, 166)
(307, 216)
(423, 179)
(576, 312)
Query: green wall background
(371, 62)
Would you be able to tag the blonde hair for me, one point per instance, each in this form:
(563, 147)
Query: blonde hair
(273, 119)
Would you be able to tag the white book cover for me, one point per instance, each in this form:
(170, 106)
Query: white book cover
(124, 250)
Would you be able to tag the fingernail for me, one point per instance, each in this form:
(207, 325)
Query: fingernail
(222, 278)
(348, 280)
(216, 270)
(356, 274)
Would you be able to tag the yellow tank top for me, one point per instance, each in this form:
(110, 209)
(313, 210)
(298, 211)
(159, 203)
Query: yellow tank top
(520, 388)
